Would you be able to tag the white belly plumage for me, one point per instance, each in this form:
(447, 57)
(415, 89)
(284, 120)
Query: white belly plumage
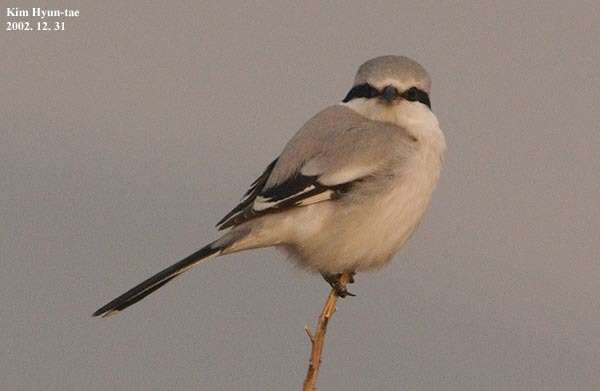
(378, 226)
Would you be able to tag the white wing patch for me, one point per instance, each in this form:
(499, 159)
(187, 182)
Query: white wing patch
(312, 192)
(308, 186)
(264, 203)
(325, 196)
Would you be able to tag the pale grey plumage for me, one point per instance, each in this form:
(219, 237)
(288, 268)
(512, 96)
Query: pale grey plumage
(348, 189)
(338, 139)
(393, 67)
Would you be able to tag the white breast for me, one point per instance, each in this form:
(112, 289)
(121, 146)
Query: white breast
(366, 233)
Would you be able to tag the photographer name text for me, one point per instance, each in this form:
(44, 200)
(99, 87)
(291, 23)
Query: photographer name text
(38, 19)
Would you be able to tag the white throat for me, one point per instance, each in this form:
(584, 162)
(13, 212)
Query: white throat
(414, 117)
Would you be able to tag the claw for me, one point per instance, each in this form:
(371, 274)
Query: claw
(334, 281)
(342, 292)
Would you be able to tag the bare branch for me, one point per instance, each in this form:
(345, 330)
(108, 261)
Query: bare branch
(317, 340)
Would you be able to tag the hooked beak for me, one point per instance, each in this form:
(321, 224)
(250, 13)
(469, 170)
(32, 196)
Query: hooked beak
(389, 94)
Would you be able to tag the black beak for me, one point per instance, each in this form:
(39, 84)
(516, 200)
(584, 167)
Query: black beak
(389, 93)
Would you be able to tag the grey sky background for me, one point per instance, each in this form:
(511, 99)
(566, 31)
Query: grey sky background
(126, 137)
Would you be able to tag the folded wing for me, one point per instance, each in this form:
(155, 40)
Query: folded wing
(334, 151)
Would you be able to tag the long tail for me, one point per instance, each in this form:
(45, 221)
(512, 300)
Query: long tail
(142, 290)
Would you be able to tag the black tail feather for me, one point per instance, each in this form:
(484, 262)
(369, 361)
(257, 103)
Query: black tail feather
(142, 290)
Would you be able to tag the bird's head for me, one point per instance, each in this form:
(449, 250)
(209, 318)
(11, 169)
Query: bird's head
(390, 89)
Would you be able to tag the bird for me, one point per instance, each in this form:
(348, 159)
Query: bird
(347, 191)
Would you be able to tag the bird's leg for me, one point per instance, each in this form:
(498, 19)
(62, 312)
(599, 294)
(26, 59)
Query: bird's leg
(334, 281)
(351, 280)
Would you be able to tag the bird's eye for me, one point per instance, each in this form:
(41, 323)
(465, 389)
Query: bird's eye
(412, 94)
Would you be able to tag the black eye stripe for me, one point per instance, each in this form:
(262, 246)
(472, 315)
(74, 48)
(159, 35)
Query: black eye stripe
(414, 94)
(361, 91)
(368, 91)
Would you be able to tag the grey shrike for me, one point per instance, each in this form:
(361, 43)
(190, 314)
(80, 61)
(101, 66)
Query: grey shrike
(347, 191)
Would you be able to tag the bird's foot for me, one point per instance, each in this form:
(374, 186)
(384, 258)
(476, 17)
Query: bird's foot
(339, 288)
(341, 291)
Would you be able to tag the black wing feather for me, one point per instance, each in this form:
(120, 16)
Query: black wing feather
(249, 197)
(287, 194)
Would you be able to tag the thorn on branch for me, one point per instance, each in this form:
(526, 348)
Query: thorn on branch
(310, 336)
